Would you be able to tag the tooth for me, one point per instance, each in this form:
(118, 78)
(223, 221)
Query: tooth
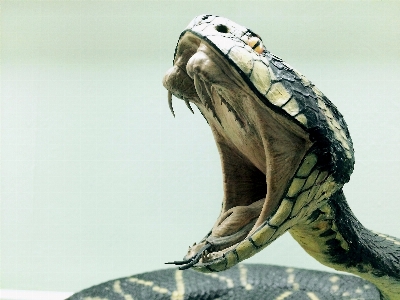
(170, 103)
(188, 105)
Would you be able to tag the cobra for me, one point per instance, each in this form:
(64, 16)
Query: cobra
(285, 154)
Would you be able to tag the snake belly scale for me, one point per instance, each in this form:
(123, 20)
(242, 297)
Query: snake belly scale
(285, 153)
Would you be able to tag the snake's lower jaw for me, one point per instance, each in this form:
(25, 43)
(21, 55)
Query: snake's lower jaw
(231, 228)
(234, 225)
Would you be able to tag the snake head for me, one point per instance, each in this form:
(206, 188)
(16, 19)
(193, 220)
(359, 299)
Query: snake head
(284, 147)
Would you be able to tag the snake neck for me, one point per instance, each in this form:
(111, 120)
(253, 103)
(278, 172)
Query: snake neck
(334, 236)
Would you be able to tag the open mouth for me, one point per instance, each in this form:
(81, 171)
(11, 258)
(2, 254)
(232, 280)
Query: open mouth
(260, 149)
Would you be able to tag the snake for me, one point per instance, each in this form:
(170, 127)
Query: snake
(286, 153)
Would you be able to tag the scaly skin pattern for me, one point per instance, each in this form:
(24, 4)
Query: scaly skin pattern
(285, 154)
(241, 282)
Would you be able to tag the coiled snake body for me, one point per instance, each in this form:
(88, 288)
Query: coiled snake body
(286, 153)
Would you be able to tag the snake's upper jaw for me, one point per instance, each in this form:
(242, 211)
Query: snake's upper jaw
(179, 84)
(177, 81)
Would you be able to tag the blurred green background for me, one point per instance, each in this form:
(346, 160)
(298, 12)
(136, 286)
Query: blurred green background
(99, 181)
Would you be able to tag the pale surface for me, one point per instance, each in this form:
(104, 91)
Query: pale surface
(99, 181)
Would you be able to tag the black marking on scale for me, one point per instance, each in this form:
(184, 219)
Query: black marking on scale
(253, 243)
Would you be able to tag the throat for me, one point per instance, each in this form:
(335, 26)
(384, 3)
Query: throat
(334, 237)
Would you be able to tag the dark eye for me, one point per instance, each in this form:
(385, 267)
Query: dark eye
(222, 28)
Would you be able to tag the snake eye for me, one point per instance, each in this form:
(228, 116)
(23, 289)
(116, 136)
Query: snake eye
(256, 44)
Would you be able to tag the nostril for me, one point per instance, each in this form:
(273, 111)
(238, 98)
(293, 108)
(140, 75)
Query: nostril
(222, 28)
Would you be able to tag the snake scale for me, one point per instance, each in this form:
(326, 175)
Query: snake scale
(285, 154)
